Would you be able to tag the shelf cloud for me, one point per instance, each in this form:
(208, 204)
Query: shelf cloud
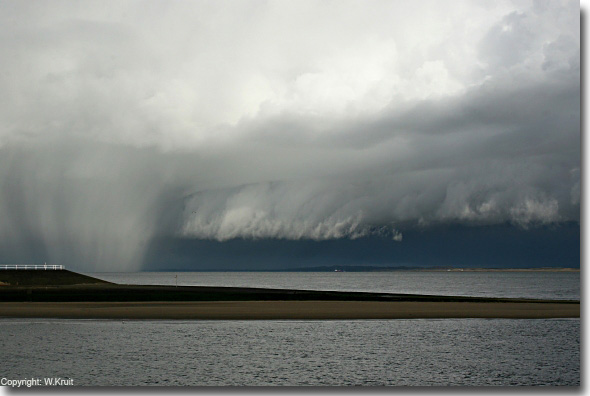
(292, 120)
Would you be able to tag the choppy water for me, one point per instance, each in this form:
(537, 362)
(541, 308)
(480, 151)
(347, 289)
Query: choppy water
(365, 352)
(549, 285)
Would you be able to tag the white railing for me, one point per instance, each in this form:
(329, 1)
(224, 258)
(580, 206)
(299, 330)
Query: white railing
(31, 267)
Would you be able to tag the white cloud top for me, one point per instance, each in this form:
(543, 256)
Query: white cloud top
(281, 119)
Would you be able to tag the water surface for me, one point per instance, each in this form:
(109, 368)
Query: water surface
(363, 352)
(544, 285)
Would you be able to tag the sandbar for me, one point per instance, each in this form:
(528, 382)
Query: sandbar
(279, 310)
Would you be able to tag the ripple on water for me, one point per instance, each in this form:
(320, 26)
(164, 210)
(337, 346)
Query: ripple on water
(365, 352)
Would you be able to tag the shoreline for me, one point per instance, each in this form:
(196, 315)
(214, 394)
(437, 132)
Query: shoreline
(282, 310)
(68, 295)
(152, 293)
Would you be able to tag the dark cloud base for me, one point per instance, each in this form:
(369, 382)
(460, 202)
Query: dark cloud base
(208, 123)
(499, 246)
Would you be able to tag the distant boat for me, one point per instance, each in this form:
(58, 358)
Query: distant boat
(337, 270)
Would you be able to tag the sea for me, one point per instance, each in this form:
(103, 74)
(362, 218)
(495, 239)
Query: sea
(409, 352)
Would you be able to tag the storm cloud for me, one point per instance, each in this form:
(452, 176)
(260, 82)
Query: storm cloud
(121, 122)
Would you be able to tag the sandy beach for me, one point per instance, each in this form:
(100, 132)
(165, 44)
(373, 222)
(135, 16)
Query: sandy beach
(227, 310)
(68, 295)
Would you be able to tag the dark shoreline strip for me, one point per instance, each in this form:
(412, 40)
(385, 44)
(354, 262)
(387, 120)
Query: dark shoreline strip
(129, 293)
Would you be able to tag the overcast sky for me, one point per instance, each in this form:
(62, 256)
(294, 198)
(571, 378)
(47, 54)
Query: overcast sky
(123, 121)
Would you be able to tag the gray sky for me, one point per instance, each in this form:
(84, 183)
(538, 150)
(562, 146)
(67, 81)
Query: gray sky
(216, 120)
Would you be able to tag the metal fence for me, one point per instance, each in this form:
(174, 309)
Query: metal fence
(31, 267)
